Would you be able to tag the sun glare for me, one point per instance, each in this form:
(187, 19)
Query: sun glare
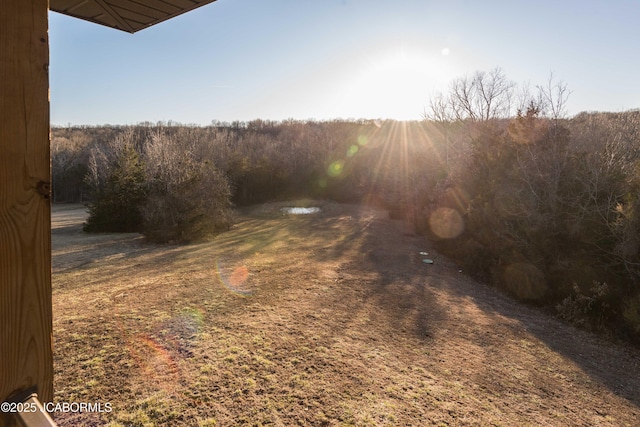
(396, 85)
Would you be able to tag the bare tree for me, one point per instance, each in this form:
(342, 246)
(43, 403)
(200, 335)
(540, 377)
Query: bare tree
(480, 97)
(552, 98)
(188, 196)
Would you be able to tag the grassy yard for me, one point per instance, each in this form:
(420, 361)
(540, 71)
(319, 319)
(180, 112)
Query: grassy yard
(330, 319)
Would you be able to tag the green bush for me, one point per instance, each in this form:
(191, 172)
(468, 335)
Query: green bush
(170, 192)
(118, 193)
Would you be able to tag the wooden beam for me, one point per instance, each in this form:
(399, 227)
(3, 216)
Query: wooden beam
(25, 212)
(124, 25)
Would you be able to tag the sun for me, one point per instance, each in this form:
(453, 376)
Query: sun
(395, 84)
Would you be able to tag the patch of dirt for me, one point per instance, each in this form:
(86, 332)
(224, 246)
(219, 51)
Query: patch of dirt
(324, 319)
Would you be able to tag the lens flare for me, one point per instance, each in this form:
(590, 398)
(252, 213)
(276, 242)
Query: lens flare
(155, 360)
(157, 353)
(191, 321)
(352, 151)
(335, 168)
(363, 140)
(457, 197)
(446, 223)
(234, 278)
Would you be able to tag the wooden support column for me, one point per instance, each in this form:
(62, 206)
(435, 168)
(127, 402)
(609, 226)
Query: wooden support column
(26, 359)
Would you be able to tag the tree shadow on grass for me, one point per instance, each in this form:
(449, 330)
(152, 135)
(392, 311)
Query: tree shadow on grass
(390, 274)
(615, 366)
(379, 270)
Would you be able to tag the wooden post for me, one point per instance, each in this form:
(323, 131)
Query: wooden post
(25, 213)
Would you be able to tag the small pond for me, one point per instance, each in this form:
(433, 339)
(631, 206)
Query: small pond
(300, 211)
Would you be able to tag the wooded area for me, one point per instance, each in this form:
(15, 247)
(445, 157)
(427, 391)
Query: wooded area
(540, 206)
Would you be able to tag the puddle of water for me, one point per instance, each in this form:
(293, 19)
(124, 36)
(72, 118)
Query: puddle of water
(300, 211)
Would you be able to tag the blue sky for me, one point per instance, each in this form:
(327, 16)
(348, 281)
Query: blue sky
(324, 59)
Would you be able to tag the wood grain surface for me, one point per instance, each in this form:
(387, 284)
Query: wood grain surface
(25, 211)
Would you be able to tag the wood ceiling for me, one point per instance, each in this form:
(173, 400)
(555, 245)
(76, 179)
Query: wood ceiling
(125, 15)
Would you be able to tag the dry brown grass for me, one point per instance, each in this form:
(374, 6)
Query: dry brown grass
(328, 319)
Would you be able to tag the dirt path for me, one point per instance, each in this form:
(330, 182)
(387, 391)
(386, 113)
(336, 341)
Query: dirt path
(326, 319)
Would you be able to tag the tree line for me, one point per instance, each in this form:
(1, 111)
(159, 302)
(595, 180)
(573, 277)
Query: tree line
(542, 206)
